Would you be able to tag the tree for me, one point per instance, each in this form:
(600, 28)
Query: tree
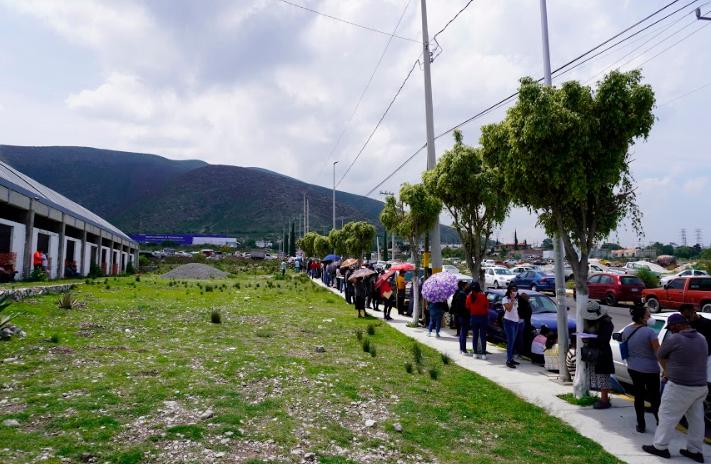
(564, 153)
(471, 192)
(547, 244)
(306, 243)
(515, 240)
(322, 246)
(385, 245)
(410, 216)
(610, 246)
(359, 237)
(338, 241)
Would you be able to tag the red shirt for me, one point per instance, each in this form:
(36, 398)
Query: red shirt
(37, 258)
(477, 304)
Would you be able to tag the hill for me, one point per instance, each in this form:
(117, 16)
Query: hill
(151, 194)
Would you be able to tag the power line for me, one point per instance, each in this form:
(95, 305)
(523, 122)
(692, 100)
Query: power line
(686, 94)
(454, 18)
(345, 21)
(370, 80)
(674, 44)
(511, 97)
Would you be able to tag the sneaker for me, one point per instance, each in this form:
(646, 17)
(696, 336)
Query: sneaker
(651, 449)
(437, 334)
(477, 356)
(482, 356)
(429, 334)
(510, 365)
(516, 362)
(641, 428)
(698, 457)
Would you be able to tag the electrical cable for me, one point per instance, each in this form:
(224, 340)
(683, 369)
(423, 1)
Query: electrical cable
(678, 97)
(335, 18)
(454, 18)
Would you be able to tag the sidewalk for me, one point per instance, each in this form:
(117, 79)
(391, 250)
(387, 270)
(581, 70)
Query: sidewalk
(613, 429)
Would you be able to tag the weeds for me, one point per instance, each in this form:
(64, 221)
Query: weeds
(371, 329)
(215, 316)
(446, 359)
(417, 354)
(366, 344)
(54, 339)
(66, 302)
(359, 334)
(434, 373)
(409, 368)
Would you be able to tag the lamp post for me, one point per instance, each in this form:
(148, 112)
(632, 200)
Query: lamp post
(334, 194)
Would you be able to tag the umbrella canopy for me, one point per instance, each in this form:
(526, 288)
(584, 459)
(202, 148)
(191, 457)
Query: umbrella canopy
(439, 287)
(402, 267)
(349, 262)
(361, 273)
(331, 258)
(383, 277)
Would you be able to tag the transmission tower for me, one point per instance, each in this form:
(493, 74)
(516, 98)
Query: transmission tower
(699, 237)
(683, 237)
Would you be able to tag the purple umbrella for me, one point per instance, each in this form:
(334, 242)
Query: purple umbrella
(439, 287)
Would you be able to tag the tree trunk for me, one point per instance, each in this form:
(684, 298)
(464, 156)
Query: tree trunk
(415, 285)
(581, 383)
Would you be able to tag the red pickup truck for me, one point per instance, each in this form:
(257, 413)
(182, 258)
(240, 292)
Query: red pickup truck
(695, 291)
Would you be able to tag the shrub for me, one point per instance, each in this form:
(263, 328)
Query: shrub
(138, 278)
(237, 285)
(409, 368)
(417, 353)
(434, 373)
(208, 288)
(445, 358)
(371, 329)
(650, 279)
(129, 268)
(5, 302)
(366, 344)
(54, 338)
(67, 302)
(359, 334)
(216, 317)
(373, 352)
(38, 275)
(95, 271)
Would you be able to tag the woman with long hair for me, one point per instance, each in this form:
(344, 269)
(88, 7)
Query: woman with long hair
(511, 323)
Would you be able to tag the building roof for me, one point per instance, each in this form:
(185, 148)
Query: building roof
(13, 179)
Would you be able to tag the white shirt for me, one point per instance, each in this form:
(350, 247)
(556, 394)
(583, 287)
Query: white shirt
(513, 314)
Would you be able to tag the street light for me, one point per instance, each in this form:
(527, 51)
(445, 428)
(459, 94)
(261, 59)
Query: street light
(334, 194)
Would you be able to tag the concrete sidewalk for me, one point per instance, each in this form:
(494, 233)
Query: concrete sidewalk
(613, 429)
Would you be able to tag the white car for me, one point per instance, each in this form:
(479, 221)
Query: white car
(521, 269)
(489, 262)
(685, 273)
(451, 269)
(634, 266)
(498, 277)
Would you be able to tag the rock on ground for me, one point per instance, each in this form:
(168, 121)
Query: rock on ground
(195, 271)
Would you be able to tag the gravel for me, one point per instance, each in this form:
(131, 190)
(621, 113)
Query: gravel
(195, 271)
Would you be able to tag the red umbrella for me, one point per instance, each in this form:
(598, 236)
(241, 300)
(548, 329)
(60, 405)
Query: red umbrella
(383, 278)
(402, 267)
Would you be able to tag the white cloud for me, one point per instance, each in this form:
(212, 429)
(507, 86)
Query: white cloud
(696, 185)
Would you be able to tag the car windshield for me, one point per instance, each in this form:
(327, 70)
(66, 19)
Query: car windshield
(542, 304)
(503, 272)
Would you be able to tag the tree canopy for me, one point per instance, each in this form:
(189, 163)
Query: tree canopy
(359, 238)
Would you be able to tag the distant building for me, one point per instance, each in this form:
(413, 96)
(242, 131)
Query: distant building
(186, 239)
(35, 218)
(634, 253)
(263, 244)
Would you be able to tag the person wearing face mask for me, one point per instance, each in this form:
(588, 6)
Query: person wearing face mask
(642, 365)
(511, 324)
(683, 360)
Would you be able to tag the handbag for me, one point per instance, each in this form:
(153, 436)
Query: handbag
(624, 346)
(589, 354)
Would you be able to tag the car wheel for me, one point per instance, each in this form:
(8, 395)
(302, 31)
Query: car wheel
(706, 308)
(610, 300)
(653, 305)
(496, 284)
(534, 288)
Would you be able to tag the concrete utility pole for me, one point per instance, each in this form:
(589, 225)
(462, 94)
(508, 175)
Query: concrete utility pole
(557, 241)
(334, 194)
(435, 245)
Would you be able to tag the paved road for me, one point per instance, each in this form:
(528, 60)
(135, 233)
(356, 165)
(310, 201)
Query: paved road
(620, 314)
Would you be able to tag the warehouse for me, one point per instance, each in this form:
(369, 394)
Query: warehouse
(35, 218)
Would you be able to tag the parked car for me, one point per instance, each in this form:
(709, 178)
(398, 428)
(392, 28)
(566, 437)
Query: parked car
(451, 269)
(489, 262)
(612, 288)
(633, 266)
(545, 312)
(622, 374)
(522, 268)
(685, 273)
(498, 277)
(695, 291)
(535, 280)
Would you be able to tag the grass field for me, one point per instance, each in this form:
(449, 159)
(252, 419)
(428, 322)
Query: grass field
(138, 373)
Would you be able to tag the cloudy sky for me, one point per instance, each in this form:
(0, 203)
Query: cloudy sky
(263, 83)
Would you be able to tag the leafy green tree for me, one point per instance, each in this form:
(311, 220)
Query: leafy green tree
(610, 246)
(471, 191)
(705, 254)
(515, 240)
(385, 245)
(547, 244)
(359, 238)
(411, 215)
(564, 153)
(322, 246)
(337, 237)
(306, 243)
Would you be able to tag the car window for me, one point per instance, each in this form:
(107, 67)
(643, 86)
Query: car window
(503, 272)
(658, 325)
(676, 284)
(629, 280)
(594, 279)
(700, 284)
(684, 273)
(542, 304)
(699, 273)
(606, 280)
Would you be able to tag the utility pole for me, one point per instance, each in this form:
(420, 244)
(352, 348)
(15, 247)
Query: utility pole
(562, 319)
(435, 245)
(334, 194)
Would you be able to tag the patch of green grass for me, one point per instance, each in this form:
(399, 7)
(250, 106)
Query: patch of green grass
(192, 432)
(586, 400)
(445, 358)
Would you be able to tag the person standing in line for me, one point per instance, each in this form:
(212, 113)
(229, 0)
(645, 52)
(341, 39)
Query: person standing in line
(642, 365)
(374, 293)
(369, 292)
(282, 266)
(401, 286)
(349, 286)
(525, 312)
(597, 321)
(461, 314)
(386, 294)
(437, 310)
(683, 357)
(511, 324)
(698, 323)
(478, 306)
(359, 291)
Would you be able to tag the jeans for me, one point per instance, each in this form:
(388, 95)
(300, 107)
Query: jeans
(479, 325)
(511, 329)
(435, 319)
(463, 325)
(678, 401)
(644, 385)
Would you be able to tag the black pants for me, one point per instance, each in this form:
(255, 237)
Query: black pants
(401, 301)
(645, 386)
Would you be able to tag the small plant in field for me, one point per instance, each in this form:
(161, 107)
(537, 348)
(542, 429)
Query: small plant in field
(138, 278)
(434, 373)
(445, 358)
(87, 281)
(38, 275)
(264, 333)
(236, 285)
(5, 302)
(417, 354)
(67, 302)
(208, 288)
(371, 329)
(366, 344)
(108, 287)
(359, 334)
(371, 349)
(216, 317)
(409, 368)
(54, 338)
(256, 285)
(106, 281)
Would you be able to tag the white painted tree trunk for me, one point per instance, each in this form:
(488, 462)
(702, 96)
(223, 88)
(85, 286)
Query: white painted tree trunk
(415, 299)
(581, 383)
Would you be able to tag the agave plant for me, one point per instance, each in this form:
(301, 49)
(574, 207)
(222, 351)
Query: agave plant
(67, 302)
(5, 301)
